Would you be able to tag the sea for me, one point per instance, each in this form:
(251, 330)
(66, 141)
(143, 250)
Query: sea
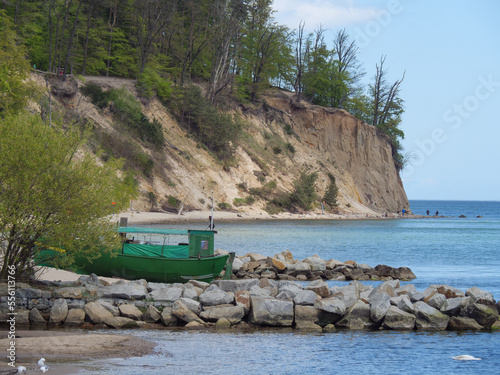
(460, 248)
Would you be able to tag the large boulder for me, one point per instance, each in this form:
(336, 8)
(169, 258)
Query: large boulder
(462, 323)
(69, 292)
(130, 290)
(316, 263)
(288, 290)
(379, 305)
(449, 291)
(271, 312)
(242, 298)
(233, 286)
(319, 287)
(75, 317)
(453, 306)
(233, 314)
(171, 294)
(357, 317)
(405, 305)
(332, 305)
(191, 304)
(429, 319)
(437, 301)
(152, 315)
(59, 311)
(483, 314)
(181, 311)
(388, 287)
(130, 311)
(96, 312)
(214, 296)
(120, 322)
(310, 314)
(306, 297)
(36, 318)
(398, 319)
(480, 296)
(168, 318)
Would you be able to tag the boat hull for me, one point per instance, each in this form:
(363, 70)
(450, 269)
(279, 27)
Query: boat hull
(162, 270)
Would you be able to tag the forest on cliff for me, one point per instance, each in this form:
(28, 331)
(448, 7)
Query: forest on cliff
(234, 46)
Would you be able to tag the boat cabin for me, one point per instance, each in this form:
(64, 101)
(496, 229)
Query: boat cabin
(167, 243)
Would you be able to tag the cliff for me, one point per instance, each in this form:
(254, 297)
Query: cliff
(280, 139)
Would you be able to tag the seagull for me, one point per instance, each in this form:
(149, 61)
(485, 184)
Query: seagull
(41, 362)
(44, 368)
(20, 370)
(465, 357)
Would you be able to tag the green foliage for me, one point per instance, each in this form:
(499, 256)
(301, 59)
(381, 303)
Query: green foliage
(302, 197)
(214, 129)
(97, 96)
(248, 201)
(224, 206)
(173, 201)
(150, 82)
(264, 192)
(330, 197)
(50, 195)
(14, 69)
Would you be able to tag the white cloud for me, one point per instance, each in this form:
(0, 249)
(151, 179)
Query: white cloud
(331, 14)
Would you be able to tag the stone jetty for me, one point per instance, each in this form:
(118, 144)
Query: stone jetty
(283, 266)
(308, 306)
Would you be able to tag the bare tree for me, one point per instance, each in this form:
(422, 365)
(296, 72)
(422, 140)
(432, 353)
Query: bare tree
(113, 10)
(299, 59)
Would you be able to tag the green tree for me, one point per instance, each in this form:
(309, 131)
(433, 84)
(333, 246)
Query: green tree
(50, 193)
(305, 194)
(14, 69)
(331, 193)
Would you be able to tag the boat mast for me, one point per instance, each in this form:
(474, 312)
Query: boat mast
(212, 216)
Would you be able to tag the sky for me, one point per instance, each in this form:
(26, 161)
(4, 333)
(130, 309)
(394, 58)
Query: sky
(449, 51)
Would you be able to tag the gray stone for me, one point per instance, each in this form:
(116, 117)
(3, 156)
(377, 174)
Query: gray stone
(190, 292)
(59, 311)
(405, 289)
(36, 318)
(69, 292)
(331, 305)
(130, 311)
(168, 318)
(386, 287)
(308, 327)
(453, 306)
(300, 266)
(429, 319)
(152, 315)
(109, 306)
(171, 294)
(199, 284)
(305, 297)
(96, 312)
(223, 323)
(357, 317)
(234, 285)
(329, 328)
(22, 317)
(319, 287)
(288, 290)
(480, 296)
(120, 322)
(28, 292)
(405, 305)
(379, 305)
(416, 296)
(131, 290)
(398, 319)
(449, 291)
(232, 313)
(75, 317)
(257, 291)
(181, 311)
(271, 312)
(461, 323)
(214, 296)
(437, 301)
(192, 305)
(316, 263)
(314, 315)
(483, 314)
(91, 279)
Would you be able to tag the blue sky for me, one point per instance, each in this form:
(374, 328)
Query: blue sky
(450, 51)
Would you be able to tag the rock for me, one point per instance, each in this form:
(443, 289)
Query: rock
(480, 296)
(233, 314)
(59, 311)
(404, 273)
(152, 315)
(308, 327)
(130, 290)
(300, 266)
(271, 312)
(398, 319)
(437, 301)
(461, 323)
(405, 305)
(483, 314)
(306, 297)
(181, 311)
(277, 264)
(329, 328)
(75, 317)
(91, 279)
(223, 323)
(406, 289)
(386, 287)
(36, 318)
(214, 296)
(26, 292)
(453, 306)
(332, 264)
(192, 305)
(69, 292)
(317, 264)
(195, 325)
(233, 286)
(254, 257)
(257, 291)
(416, 296)
(288, 290)
(356, 274)
(449, 291)
(22, 317)
(332, 305)
(357, 317)
(171, 294)
(314, 315)
(496, 326)
(429, 319)
(96, 312)
(237, 264)
(319, 287)
(190, 292)
(379, 305)
(130, 311)
(249, 266)
(287, 255)
(120, 322)
(199, 284)
(242, 298)
(109, 306)
(168, 318)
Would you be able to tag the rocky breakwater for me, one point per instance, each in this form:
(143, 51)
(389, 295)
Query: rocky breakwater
(313, 306)
(283, 266)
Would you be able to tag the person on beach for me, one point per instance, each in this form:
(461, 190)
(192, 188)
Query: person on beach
(437, 213)
(427, 212)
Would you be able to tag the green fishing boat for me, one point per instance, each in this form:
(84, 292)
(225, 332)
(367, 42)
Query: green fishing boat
(157, 255)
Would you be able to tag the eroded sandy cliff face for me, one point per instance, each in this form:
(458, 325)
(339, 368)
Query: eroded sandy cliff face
(360, 155)
(323, 141)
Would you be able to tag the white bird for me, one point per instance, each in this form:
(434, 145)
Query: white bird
(20, 369)
(466, 357)
(41, 362)
(44, 368)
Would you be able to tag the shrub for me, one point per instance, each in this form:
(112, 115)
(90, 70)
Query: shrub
(97, 96)
(150, 82)
(331, 193)
(173, 201)
(290, 148)
(224, 206)
(237, 202)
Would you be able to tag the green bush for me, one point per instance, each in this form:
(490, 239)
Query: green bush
(224, 206)
(97, 96)
(331, 193)
(150, 82)
(238, 202)
(173, 201)
(290, 148)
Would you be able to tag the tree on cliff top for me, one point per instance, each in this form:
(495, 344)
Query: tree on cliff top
(51, 194)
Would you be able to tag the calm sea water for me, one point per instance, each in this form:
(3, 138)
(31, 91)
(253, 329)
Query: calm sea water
(461, 252)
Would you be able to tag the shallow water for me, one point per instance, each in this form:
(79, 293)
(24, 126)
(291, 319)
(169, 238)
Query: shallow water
(455, 251)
